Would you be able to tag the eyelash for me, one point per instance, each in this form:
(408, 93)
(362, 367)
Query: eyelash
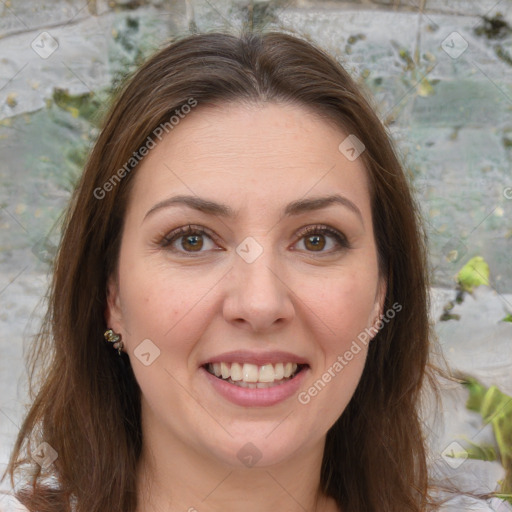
(310, 230)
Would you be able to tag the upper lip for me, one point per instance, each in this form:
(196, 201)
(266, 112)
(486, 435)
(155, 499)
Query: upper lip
(257, 358)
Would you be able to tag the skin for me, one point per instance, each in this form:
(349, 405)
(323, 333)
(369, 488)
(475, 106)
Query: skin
(196, 305)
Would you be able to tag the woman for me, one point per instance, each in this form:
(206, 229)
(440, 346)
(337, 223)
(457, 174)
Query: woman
(239, 308)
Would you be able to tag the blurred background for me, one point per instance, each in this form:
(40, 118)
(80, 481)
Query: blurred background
(440, 76)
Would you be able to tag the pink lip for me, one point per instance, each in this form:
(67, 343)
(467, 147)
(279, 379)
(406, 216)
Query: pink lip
(261, 358)
(250, 397)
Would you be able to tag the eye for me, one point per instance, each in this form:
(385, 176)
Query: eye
(314, 238)
(193, 239)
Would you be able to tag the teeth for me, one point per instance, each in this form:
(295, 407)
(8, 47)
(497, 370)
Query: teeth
(236, 372)
(225, 370)
(251, 375)
(267, 373)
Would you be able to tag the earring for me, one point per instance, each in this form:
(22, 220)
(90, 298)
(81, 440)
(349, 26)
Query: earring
(114, 338)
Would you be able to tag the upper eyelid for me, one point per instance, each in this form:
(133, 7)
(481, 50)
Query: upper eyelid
(300, 233)
(319, 227)
(182, 231)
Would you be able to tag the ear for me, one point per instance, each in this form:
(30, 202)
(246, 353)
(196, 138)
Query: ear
(113, 310)
(380, 297)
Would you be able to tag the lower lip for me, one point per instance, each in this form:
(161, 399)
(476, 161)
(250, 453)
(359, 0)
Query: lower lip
(250, 397)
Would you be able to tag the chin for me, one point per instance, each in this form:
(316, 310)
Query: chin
(256, 447)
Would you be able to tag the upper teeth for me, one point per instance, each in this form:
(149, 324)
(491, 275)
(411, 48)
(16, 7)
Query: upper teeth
(248, 372)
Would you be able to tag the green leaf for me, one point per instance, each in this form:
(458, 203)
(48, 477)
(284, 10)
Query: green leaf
(474, 273)
(496, 409)
(478, 452)
(476, 394)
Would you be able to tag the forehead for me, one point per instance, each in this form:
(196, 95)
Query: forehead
(251, 155)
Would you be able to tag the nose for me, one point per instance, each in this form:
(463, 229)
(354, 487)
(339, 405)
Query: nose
(259, 298)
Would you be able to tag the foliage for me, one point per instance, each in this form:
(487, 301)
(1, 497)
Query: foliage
(474, 273)
(494, 29)
(495, 407)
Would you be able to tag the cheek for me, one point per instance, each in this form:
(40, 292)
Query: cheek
(165, 305)
(168, 309)
(345, 307)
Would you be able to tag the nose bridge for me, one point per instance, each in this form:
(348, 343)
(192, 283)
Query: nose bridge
(258, 293)
(256, 266)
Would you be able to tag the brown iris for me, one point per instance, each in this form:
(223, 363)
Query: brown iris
(197, 242)
(318, 243)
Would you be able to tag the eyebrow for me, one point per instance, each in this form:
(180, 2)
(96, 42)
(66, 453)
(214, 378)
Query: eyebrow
(222, 210)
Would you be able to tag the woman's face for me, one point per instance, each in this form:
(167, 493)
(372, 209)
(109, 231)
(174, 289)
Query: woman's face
(250, 288)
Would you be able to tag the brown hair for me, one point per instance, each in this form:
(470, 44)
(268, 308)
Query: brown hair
(88, 402)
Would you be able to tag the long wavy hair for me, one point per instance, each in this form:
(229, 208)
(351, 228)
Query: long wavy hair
(85, 400)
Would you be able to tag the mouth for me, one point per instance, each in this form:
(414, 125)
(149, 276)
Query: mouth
(248, 375)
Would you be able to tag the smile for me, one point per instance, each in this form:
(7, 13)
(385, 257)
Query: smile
(248, 375)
